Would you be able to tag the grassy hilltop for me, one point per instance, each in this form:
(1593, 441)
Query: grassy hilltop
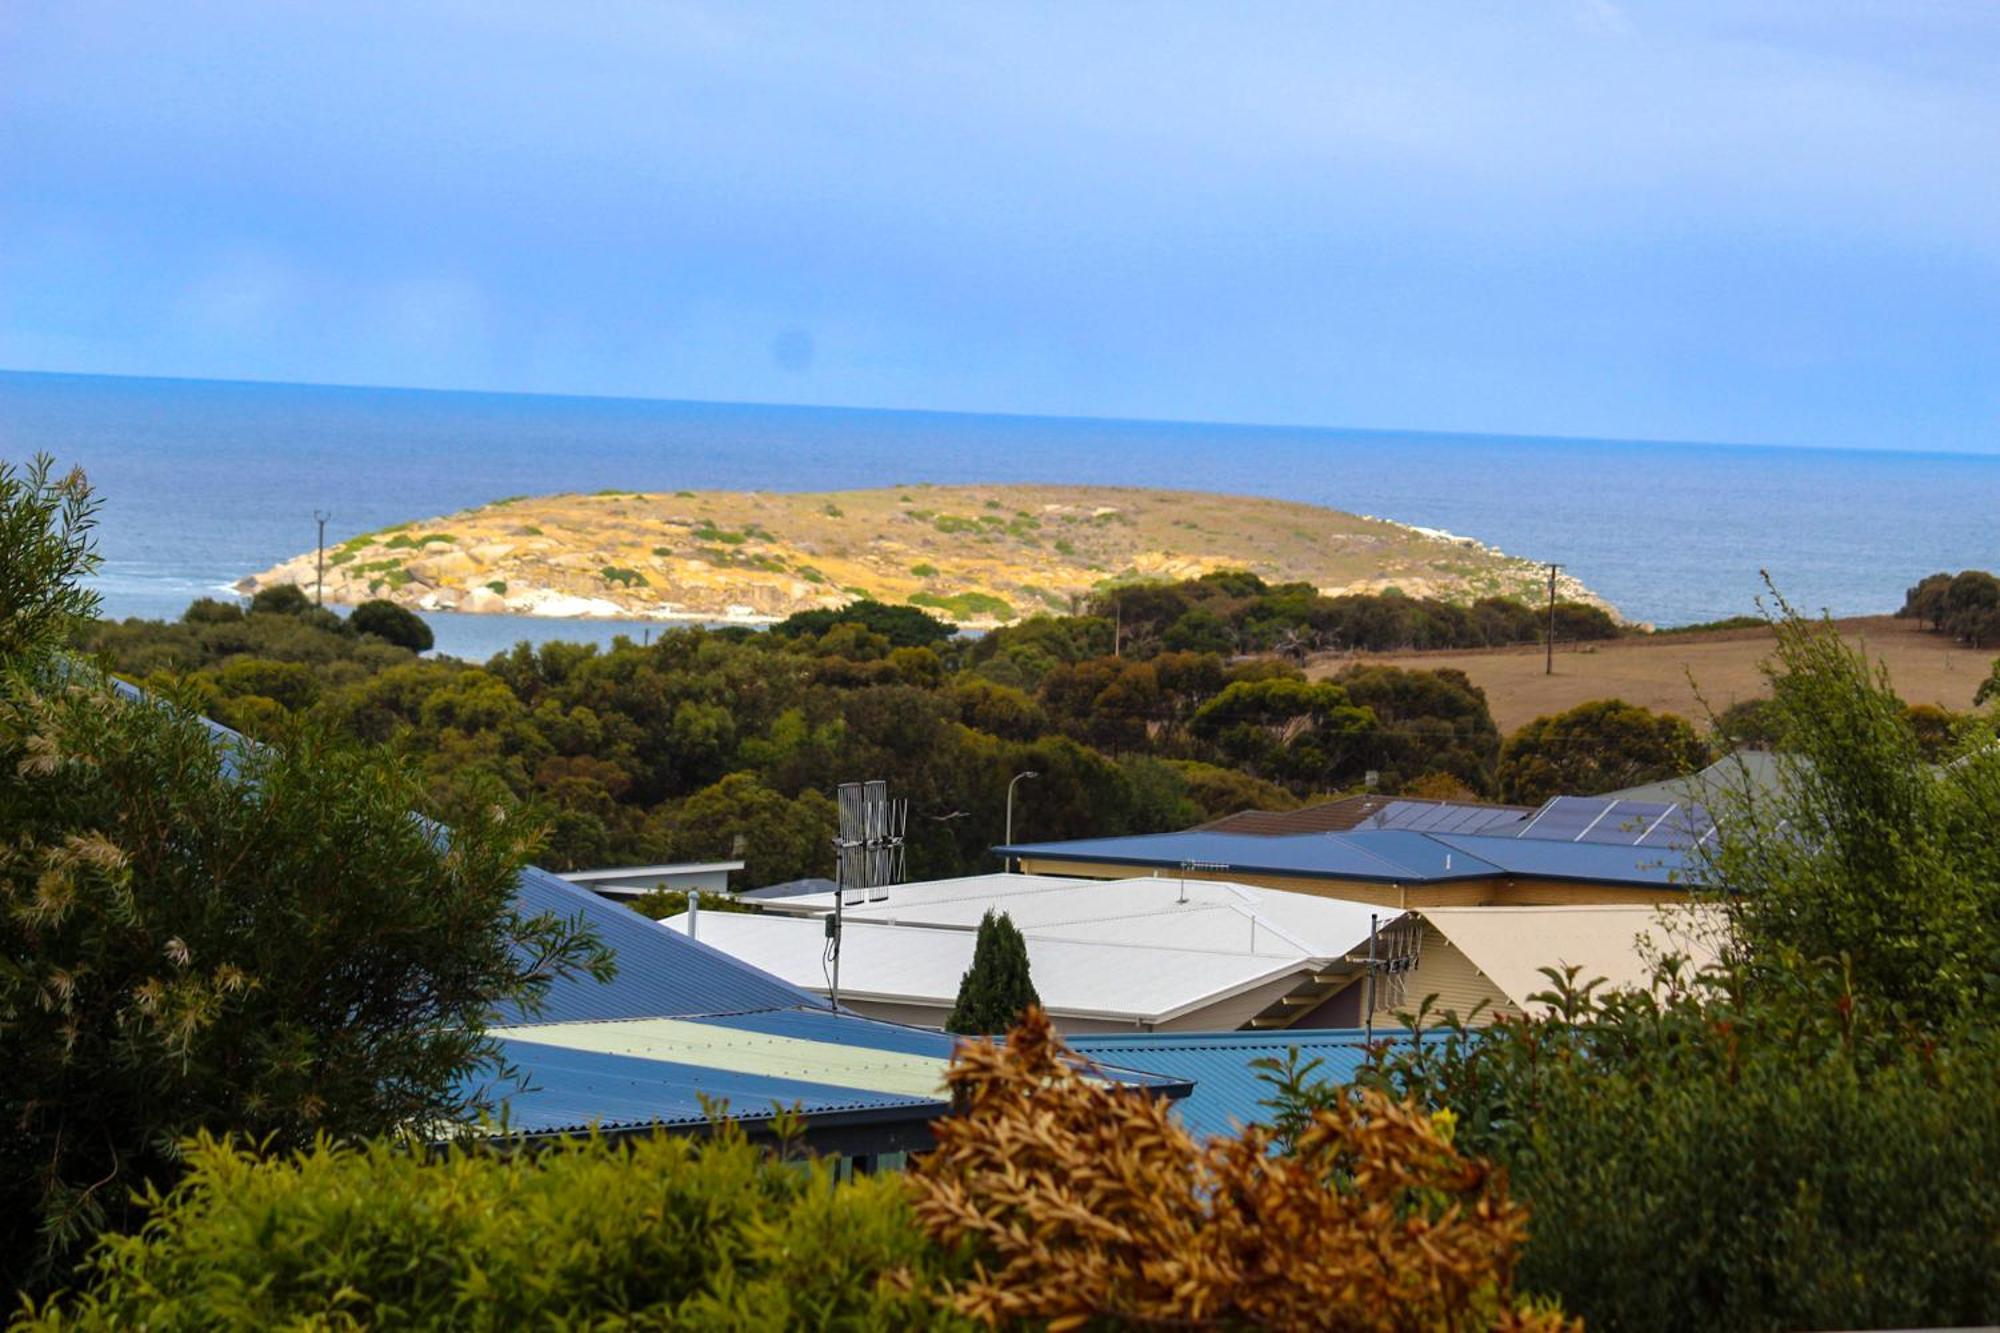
(979, 555)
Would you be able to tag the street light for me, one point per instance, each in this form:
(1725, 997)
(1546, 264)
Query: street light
(1009, 840)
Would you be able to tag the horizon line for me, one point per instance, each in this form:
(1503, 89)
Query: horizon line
(1498, 435)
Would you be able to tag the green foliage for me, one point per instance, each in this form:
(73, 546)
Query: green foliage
(45, 533)
(903, 626)
(392, 624)
(966, 605)
(1964, 605)
(1292, 731)
(249, 938)
(778, 837)
(1748, 724)
(1723, 1157)
(1989, 689)
(996, 989)
(952, 523)
(1596, 747)
(1864, 851)
(665, 1233)
(626, 578)
(663, 903)
(283, 599)
(923, 569)
(708, 532)
(832, 510)
(499, 586)
(1428, 722)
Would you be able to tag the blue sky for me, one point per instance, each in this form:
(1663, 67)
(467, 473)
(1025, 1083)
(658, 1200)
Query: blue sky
(1769, 222)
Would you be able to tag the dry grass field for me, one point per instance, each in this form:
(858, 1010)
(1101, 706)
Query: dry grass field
(1664, 671)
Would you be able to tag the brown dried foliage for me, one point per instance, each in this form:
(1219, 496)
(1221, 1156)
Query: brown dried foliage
(1088, 1204)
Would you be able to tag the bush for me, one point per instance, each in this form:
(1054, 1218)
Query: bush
(392, 624)
(1720, 1158)
(243, 938)
(283, 599)
(1087, 1204)
(664, 1233)
(1595, 747)
(45, 532)
(903, 626)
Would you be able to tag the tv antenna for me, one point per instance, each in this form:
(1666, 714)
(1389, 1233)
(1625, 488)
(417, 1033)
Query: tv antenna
(868, 858)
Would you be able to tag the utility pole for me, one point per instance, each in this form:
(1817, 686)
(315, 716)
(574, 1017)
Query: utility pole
(319, 580)
(1550, 670)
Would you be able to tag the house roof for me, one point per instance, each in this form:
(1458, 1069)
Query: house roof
(1076, 978)
(1510, 945)
(1589, 839)
(1228, 1091)
(1206, 916)
(1369, 811)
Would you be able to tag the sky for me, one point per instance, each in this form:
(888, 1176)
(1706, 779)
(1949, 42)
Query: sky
(1733, 221)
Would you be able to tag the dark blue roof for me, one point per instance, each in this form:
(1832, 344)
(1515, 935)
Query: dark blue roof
(1227, 1091)
(1392, 856)
(661, 973)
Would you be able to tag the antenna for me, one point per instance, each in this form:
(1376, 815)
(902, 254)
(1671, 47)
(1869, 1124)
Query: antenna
(868, 856)
(1216, 867)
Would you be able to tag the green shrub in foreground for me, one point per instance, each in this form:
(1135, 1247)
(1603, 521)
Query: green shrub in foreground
(663, 1233)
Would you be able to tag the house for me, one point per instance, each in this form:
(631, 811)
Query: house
(1142, 953)
(1570, 850)
(637, 881)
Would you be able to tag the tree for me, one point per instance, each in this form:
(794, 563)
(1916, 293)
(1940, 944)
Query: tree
(1430, 722)
(996, 990)
(778, 838)
(394, 624)
(1595, 747)
(197, 932)
(280, 599)
(45, 534)
(1309, 734)
(902, 626)
(1988, 688)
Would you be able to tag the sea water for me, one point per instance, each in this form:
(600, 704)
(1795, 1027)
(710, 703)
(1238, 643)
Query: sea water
(203, 482)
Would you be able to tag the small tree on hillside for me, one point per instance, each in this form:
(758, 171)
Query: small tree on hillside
(396, 624)
(996, 989)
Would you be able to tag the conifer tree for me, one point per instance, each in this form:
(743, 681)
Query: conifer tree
(996, 988)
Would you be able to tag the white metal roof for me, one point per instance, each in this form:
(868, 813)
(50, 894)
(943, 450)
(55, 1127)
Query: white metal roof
(1195, 915)
(913, 964)
(633, 872)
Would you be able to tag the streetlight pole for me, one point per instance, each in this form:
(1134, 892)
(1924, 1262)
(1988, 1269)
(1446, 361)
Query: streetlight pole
(1550, 669)
(1009, 840)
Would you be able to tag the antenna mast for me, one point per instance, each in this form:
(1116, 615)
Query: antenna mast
(868, 858)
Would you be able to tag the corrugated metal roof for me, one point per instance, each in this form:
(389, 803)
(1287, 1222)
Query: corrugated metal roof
(661, 973)
(570, 1090)
(1227, 1091)
(1386, 856)
(1591, 862)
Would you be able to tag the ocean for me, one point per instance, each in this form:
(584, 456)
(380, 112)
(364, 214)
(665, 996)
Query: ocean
(204, 481)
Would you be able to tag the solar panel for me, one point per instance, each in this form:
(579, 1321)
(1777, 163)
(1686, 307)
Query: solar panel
(1562, 819)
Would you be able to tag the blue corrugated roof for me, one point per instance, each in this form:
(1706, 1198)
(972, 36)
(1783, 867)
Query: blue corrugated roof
(1227, 1091)
(821, 1024)
(661, 973)
(569, 1090)
(1597, 862)
(1397, 856)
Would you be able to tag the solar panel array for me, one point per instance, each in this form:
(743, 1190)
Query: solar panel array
(1616, 822)
(1440, 817)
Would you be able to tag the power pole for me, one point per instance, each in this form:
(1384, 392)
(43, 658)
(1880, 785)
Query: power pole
(319, 580)
(1550, 670)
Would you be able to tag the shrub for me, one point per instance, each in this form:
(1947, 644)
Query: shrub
(665, 1233)
(393, 624)
(284, 599)
(924, 569)
(240, 938)
(996, 990)
(1595, 747)
(902, 626)
(966, 605)
(211, 611)
(1087, 1203)
(626, 578)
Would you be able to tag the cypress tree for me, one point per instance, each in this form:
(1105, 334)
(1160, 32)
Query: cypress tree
(996, 988)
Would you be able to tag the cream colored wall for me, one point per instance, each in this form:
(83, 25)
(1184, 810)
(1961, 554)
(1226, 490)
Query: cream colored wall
(1459, 986)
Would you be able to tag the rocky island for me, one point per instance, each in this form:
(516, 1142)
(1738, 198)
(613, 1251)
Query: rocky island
(977, 555)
